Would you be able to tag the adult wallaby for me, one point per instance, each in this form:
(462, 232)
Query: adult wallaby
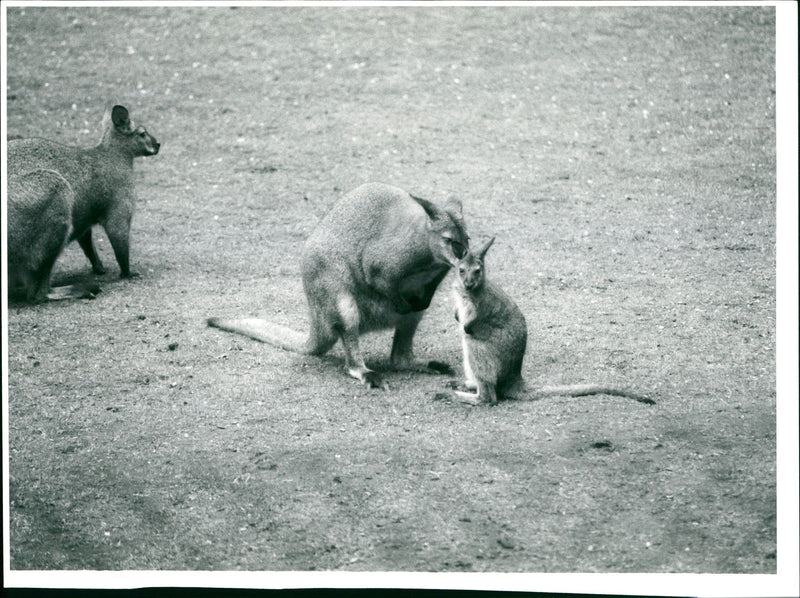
(494, 337)
(101, 179)
(39, 222)
(372, 263)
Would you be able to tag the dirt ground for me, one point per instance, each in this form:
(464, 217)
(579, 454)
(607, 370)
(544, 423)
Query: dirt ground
(625, 159)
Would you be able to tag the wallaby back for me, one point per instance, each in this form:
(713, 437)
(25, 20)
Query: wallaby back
(39, 222)
(386, 248)
(101, 178)
(373, 262)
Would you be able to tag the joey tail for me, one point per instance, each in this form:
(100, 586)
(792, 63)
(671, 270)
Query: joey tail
(266, 332)
(581, 390)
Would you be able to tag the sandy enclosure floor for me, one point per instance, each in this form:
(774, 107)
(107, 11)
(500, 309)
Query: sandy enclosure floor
(625, 159)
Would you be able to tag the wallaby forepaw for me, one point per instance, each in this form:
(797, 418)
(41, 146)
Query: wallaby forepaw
(418, 304)
(373, 380)
(439, 367)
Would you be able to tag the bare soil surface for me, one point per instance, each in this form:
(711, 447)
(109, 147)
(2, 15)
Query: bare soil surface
(625, 159)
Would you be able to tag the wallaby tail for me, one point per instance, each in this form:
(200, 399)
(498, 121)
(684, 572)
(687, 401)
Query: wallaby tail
(73, 291)
(266, 332)
(581, 390)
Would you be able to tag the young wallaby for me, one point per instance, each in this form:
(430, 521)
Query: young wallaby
(494, 336)
(374, 262)
(101, 179)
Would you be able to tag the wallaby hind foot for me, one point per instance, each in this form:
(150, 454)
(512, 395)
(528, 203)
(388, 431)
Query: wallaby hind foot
(73, 291)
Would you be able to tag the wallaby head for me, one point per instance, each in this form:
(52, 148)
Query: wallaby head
(119, 130)
(471, 269)
(447, 234)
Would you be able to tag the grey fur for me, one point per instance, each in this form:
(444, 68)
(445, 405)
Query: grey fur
(101, 179)
(373, 263)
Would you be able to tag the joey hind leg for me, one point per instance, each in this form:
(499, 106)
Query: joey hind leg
(470, 381)
(348, 329)
(403, 348)
(86, 243)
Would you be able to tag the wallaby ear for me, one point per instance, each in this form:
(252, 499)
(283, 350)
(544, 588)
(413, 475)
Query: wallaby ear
(430, 208)
(120, 117)
(481, 252)
(453, 206)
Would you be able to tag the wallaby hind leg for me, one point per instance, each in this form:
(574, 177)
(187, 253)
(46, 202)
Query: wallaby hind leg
(348, 328)
(403, 348)
(86, 243)
(320, 339)
(41, 279)
(22, 285)
(515, 390)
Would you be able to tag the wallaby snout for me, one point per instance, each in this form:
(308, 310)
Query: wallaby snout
(472, 279)
(146, 144)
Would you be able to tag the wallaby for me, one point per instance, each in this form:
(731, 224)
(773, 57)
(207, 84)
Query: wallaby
(374, 262)
(101, 179)
(494, 336)
(39, 222)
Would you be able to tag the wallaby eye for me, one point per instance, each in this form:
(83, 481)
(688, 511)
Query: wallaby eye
(458, 249)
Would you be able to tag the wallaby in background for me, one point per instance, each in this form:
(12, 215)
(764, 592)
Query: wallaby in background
(374, 262)
(39, 223)
(494, 336)
(101, 179)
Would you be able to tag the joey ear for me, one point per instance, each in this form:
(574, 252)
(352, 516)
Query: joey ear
(120, 117)
(481, 251)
